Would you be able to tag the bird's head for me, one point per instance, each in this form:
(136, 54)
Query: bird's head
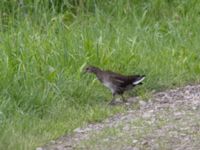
(91, 69)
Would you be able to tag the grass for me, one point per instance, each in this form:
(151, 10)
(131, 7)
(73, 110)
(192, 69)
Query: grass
(43, 92)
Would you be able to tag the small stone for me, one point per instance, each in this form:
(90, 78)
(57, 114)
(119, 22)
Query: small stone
(151, 111)
(134, 141)
(66, 146)
(59, 142)
(52, 142)
(79, 130)
(142, 103)
(148, 114)
(126, 128)
(39, 148)
(106, 139)
(59, 147)
(118, 100)
(178, 115)
(194, 108)
(131, 148)
(145, 143)
(135, 148)
(155, 146)
(187, 92)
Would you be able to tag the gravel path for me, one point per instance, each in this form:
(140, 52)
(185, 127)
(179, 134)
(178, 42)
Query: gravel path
(169, 120)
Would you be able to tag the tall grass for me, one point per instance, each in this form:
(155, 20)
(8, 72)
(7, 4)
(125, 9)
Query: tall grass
(43, 92)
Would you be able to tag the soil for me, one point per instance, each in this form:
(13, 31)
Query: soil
(167, 120)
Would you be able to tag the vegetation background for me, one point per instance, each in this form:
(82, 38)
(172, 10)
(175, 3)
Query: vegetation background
(44, 46)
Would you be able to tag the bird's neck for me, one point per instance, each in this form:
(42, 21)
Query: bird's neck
(97, 71)
(99, 74)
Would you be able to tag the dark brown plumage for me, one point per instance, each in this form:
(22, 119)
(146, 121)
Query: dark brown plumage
(117, 83)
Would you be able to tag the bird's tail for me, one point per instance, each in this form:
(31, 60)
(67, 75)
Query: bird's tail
(139, 80)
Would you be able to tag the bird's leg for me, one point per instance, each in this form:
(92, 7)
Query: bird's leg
(124, 100)
(113, 99)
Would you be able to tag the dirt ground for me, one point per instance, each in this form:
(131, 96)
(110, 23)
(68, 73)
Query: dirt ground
(169, 120)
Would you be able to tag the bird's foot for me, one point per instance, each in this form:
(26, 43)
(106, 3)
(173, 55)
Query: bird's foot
(124, 100)
(112, 102)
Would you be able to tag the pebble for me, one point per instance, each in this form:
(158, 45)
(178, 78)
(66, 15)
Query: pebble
(142, 103)
(79, 130)
(148, 114)
(134, 141)
(144, 142)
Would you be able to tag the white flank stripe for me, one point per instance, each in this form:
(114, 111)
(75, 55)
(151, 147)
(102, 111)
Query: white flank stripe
(137, 82)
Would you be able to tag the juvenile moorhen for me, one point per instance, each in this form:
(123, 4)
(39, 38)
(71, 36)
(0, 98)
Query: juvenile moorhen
(117, 83)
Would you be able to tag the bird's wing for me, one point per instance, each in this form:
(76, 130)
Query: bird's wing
(124, 81)
(120, 81)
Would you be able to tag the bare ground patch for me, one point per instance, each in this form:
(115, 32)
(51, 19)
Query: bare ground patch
(169, 120)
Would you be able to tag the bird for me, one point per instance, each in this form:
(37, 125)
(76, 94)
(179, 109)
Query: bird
(116, 82)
